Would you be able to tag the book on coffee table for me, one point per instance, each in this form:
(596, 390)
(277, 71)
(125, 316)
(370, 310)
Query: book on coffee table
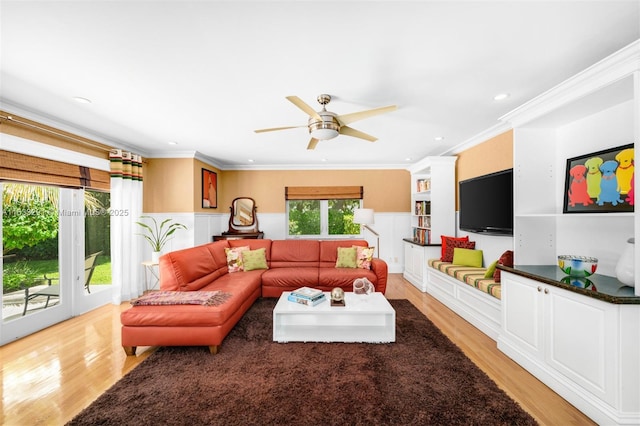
(305, 300)
(307, 293)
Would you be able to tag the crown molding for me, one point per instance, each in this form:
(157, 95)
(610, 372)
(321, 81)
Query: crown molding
(614, 67)
(479, 138)
(316, 167)
(187, 154)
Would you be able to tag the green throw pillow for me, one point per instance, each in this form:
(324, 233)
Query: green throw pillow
(491, 270)
(467, 257)
(347, 257)
(255, 259)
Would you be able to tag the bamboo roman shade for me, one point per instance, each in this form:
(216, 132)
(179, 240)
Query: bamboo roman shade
(29, 169)
(323, 192)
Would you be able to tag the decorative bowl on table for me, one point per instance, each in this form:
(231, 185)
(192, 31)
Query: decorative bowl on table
(577, 266)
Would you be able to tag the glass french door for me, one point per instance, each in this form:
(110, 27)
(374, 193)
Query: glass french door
(42, 230)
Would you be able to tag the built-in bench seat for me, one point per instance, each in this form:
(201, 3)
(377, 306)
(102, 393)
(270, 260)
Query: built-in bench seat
(466, 291)
(468, 275)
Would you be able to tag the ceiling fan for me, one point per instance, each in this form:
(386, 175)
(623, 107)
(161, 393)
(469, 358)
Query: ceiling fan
(325, 124)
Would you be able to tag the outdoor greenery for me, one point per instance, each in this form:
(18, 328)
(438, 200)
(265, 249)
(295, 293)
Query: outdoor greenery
(30, 218)
(17, 275)
(27, 222)
(30, 223)
(305, 217)
(341, 217)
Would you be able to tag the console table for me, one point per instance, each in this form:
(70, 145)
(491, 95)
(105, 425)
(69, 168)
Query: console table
(238, 236)
(581, 337)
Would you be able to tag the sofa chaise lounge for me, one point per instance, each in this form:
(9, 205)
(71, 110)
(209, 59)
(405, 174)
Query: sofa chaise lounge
(282, 265)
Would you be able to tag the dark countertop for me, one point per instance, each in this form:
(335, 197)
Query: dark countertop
(409, 240)
(602, 287)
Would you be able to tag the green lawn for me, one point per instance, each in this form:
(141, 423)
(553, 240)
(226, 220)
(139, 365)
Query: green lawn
(38, 268)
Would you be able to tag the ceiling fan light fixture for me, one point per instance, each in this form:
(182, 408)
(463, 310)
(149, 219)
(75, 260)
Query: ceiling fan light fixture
(323, 130)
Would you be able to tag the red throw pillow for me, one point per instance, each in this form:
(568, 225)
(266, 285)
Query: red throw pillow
(445, 240)
(448, 255)
(507, 260)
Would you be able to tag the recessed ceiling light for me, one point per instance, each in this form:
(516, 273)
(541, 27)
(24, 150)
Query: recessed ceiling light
(250, 160)
(501, 97)
(438, 138)
(324, 160)
(407, 159)
(173, 143)
(81, 100)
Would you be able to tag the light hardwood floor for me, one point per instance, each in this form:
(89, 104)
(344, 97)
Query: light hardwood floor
(50, 376)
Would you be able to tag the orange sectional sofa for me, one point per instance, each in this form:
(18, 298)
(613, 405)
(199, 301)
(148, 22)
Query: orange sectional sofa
(290, 264)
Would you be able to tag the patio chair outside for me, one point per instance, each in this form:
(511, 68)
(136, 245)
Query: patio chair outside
(53, 290)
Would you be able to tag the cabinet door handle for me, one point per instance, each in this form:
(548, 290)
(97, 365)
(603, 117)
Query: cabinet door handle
(546, 291)
(539, 289)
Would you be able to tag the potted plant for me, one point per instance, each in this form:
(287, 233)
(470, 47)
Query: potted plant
(158, 235)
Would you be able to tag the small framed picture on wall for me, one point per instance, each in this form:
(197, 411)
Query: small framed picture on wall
(209, 189)
(600, 182)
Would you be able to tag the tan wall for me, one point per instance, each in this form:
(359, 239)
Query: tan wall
(168, 185)
(384, 190)
(491, 156)
(175, 184)
(494, 155)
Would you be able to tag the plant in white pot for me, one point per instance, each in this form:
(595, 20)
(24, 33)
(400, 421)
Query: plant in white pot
(158, 235)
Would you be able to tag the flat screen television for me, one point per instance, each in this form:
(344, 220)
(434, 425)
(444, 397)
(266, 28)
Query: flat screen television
(486, 203)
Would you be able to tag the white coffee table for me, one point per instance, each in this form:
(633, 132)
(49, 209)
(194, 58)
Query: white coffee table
(364, 318)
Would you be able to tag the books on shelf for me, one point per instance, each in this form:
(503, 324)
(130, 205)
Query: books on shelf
(424, 222)
(422, 236)
(307, 292)
(423, 207)
(423, 185)
(293, 297)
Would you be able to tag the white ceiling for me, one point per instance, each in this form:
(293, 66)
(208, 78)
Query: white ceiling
(205, 74)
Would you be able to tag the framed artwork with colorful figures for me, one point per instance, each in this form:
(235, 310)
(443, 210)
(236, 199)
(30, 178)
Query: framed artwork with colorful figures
(600, 182)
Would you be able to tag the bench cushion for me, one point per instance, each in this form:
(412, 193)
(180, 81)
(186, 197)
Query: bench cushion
(469, 275)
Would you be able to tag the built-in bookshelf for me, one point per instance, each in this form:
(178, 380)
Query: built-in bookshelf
(422, 213)
(432, 214)
(433, 200)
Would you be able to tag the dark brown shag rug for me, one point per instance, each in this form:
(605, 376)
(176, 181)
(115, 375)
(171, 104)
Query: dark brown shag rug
(421, 379)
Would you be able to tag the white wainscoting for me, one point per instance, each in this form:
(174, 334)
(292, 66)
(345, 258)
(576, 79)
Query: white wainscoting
(392, 227)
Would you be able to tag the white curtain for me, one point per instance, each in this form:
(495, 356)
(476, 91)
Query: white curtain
(126, 208)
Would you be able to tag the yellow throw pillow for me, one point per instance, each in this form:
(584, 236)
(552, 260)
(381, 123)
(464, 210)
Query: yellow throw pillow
(467, 257)
(491, 270)
(255, 259)
(346, 257)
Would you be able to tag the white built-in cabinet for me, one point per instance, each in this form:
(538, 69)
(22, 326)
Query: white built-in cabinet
(584, 348)
(432, 214)
(587, 350)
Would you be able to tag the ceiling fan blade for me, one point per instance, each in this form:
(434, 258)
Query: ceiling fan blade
(350, 131)
(355, 116)
(312, 143)
(303, 106)
(277, 128)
